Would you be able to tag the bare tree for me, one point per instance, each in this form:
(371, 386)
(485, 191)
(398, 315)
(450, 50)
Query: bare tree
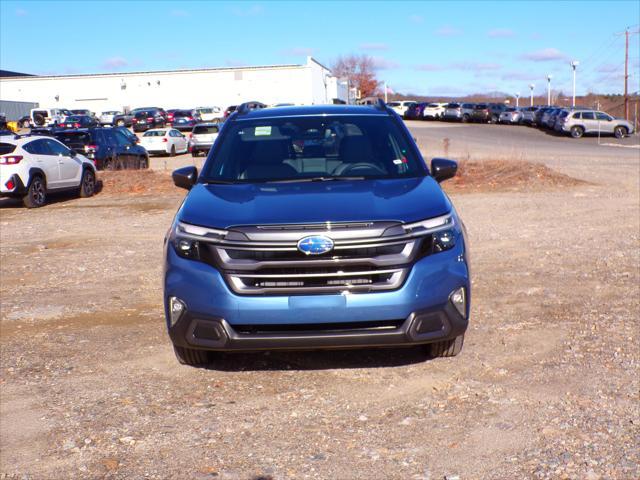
(360, 70)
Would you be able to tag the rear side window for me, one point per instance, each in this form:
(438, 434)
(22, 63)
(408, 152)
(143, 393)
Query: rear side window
(6, 148)
(37, 147)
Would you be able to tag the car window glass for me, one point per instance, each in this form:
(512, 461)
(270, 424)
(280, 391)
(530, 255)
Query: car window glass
(588, 116)
(602, 116)
(121, 139)
(8, 148)
(56, 148)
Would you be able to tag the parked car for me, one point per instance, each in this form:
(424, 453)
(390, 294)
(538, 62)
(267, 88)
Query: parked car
(229, 110)
(583, 122)
(559, 118)
(146, 119)
(345, 241)
(185, 119)
(481, 113)
(529, 115)
(157, 111)
(495, 110)
(401, 107)
(548, 117)
(210, 114)
(249, 105)
(47, 117)
(512, 116)
(78, 121)
(83, 111)
(414, 111)
(164, 141)
(540, 115)
(453, 112)
(434, 111)
(466, 109)
(32, 167)
(108, 148)
(116, 118)
(202, 137)
(128, 133)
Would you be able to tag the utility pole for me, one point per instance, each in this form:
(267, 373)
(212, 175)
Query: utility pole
(574, 64)
(549, 77)
(531, 87)
(626, 74)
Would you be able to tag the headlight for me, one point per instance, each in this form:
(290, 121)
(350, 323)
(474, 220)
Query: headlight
(442, 233)
(186, 239)
(430, 225)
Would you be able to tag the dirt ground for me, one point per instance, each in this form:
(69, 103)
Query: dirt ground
(545, 387)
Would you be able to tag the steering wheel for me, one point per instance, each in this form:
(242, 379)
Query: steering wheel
(349, 167)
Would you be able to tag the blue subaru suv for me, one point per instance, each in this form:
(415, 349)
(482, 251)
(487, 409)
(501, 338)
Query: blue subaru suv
(315, 227)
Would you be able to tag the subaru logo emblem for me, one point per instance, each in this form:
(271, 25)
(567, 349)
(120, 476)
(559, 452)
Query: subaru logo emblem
(315, 245)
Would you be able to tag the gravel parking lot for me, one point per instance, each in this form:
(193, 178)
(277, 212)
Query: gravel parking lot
(545, 387)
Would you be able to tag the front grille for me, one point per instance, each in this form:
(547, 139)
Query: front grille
(265, 260)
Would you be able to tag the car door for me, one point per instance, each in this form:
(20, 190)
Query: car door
(44, 160)
(181, 141)
(127, 155)
(588, 120)
(605, 122)
(70, 166)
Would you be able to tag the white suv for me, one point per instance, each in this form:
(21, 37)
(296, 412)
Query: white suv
(33, 166)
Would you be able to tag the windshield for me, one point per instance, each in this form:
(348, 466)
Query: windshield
(205, 129)
(313, 148)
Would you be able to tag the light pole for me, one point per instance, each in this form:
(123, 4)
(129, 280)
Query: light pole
(531, 87)
(517, 100)
(549, 77)
(574, 64)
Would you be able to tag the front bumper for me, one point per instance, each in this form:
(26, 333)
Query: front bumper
(217, 319)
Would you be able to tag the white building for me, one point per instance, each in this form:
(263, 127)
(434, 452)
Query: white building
(308, 84)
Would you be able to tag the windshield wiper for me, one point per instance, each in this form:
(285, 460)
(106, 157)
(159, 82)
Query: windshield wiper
(217, 182)
(314, 179)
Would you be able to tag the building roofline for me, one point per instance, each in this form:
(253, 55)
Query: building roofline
(159, 72)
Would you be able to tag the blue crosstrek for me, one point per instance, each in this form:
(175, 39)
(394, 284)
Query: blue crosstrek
(315, 227)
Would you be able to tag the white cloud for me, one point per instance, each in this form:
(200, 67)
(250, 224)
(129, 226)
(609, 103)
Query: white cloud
(475, 66)
(501, 33)
(115, 63)
(448, 31)
(380, 63)
(251, 11)
(429, 67)
(545, 55)
(374, 46)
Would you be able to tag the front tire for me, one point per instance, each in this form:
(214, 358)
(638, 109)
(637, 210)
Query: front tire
(87, 183)
(120, 123)
(577, 132)
(620, 132)
(447, 348)
(26, 124)
(36, 193)
(189, 356)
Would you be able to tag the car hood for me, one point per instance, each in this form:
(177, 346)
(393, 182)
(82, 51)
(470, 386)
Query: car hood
(223, 206)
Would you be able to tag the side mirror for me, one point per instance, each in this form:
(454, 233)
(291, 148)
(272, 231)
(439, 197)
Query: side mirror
(185, 177)
(72, 153)
(443, 169)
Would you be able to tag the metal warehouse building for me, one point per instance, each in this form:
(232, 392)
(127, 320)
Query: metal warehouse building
(310, 83)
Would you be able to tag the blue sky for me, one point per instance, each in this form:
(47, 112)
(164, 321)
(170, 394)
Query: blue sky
(431, 48)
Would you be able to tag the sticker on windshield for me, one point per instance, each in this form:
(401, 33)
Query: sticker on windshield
(263, 131)
(398, 161)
